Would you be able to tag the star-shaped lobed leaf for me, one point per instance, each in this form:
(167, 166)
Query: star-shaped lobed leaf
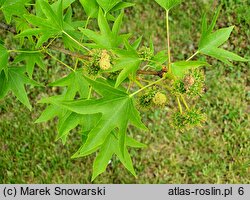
(31, 59)
(211, 41)
(50, 23)
(107, 38)
(12, 8)
(15, 82)
(111, 147)
(75, 84)
(117, 109)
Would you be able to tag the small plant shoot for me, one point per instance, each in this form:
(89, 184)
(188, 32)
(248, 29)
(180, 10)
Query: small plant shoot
(111, 78)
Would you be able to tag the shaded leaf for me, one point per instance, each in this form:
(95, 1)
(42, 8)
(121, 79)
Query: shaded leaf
(31, 59)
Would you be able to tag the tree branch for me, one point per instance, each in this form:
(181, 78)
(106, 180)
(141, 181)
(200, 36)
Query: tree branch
(67, 52)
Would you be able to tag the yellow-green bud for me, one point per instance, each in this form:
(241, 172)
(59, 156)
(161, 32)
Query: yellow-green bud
(105, 60)
(160, 99)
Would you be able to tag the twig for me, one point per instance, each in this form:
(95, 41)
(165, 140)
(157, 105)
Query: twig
(73, 54)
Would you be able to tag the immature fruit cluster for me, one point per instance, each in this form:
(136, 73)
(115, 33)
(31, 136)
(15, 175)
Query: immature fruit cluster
(192, 84)
(145, 100)
(188, 119)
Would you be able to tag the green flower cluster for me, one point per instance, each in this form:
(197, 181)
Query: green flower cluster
(145, 53)
(99, 60)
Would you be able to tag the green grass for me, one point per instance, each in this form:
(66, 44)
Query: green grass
(217, 152)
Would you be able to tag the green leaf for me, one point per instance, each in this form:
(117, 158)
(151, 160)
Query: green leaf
(16, 81)
(12, 8)
(55, 17)
(104, 156)
(223, 55)
(137, 43)
(133, 143)
(91, 8)
(168, 4)
(31, 59)
(122, 5)
(65, 4)
(103, 24)
(179, 69)
(108, 5)
(4, 56)
(122, 112)
(117, 25)
(210, 42)
(214, 20)
(215, 39)
(107, 39)
(49, 113)
(4, 85)
(49, 23)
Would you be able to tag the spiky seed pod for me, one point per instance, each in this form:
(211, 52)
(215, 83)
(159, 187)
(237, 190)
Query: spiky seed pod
(178, 88)
(194, 117)
(188, 119)
(188, 81)
(159, 99)
(93, 64)
(178, 120)
(196, 88)
(105, 60)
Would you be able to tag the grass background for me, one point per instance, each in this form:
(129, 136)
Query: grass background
(218, 152)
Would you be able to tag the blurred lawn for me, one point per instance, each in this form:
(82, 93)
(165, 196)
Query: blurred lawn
(218, 152)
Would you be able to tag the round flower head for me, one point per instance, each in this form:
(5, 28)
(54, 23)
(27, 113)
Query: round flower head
(105, 60)
(160, 99)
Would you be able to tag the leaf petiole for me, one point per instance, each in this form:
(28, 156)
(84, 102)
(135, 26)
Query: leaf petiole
(168, 38)
(145, 87)
(193, 56)
(59, 60)
(73, 39)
